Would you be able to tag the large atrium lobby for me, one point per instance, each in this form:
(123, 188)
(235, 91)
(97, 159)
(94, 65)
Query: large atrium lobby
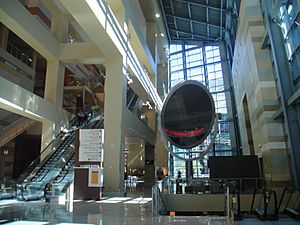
(159, 112)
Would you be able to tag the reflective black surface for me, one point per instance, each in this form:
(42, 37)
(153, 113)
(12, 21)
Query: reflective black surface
(188, 114)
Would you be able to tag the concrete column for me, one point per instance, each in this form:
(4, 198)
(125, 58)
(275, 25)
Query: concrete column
(152, 39)
(286, 88)
(114, 135)
(3, 36)
(161, 154)
(53, 93)
(159, 80)
(60, 27)
(55, 71)
(117, 6)
(150, 114)
(48, 135)
(32, 3)
(231, 111)
(54, 82)
(120, 15)
(149, 165)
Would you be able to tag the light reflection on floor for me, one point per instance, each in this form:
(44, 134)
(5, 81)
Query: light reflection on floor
(136, 208)
(27, 223)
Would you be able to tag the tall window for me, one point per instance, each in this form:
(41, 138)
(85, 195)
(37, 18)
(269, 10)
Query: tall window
(190, 62)
(289, 20)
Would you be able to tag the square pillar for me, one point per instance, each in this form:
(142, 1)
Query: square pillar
(114, 135)
(54, 82)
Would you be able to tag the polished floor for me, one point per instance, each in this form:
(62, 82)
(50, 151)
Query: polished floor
(135, 209)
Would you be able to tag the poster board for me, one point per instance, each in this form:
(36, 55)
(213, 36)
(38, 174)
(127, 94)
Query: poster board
(95, 177)
(91, 145)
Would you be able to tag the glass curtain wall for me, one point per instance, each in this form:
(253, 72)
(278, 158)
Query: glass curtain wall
(191, 62)
(289, 20)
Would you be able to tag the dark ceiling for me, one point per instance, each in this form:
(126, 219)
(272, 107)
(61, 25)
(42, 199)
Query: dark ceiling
(194, 20)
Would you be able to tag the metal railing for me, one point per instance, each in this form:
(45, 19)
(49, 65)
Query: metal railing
(20, 54)
(209, 185)
(7, 189)
(231, 188)
(158, 203)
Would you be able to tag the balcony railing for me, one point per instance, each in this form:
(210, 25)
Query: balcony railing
(22, 55)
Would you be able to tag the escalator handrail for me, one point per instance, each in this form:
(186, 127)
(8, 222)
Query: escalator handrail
(97, 124)
(286, 189)
(35, 162)
(42, 164)
(44, 185)
(68, 151)
(55, 164)
(63, 177)
(52, 181)
(67, 161)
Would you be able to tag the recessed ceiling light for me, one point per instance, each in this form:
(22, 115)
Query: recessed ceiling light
(157, 15)
(161, 34)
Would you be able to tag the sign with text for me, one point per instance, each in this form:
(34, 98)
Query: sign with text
(91, 145)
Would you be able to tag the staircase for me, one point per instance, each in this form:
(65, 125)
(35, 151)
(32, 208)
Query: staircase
(14, 129)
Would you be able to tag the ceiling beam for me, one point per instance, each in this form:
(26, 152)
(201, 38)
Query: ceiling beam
(221, 21)
(89, 53)
(199, 4)
(165, 19)
(175, 23)
(207, 20)
(196, 21)
(196, 35)
(190, 16)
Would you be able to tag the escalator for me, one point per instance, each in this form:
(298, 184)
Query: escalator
(56, 167)
(32, 188)
(63, 180)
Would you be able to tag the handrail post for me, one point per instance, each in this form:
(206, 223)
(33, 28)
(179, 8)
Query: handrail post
(228, 203)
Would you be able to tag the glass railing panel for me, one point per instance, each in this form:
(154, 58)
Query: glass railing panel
(211, 186)
(7, 189)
